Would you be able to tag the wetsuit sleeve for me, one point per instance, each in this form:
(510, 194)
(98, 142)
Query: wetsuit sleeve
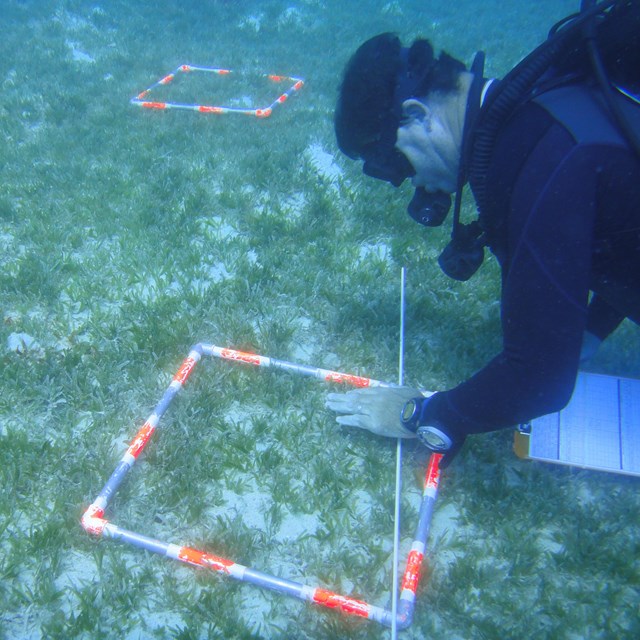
(544, 296)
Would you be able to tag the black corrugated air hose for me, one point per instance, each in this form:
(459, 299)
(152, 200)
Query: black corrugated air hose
(515, 86)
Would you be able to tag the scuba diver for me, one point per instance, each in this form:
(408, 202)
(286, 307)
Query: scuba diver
(552, 156)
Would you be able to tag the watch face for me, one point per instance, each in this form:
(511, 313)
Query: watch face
(434, 439)
(409, 410)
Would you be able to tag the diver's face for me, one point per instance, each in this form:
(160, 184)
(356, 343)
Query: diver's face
(426, 139)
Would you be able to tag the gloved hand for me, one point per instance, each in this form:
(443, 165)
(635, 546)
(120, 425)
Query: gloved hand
(376, 409)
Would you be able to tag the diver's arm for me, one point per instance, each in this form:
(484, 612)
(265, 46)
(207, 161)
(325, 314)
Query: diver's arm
(544, 300)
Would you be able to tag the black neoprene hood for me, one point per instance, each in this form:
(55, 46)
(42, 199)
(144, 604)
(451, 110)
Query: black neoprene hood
(366, 94)
(370, 105)
(379, 77)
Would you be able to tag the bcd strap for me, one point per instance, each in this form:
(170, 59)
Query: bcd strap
(582, 111)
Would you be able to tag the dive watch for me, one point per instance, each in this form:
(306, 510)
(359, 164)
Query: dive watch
(431, 436)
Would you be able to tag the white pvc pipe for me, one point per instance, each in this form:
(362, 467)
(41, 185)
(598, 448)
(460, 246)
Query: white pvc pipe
(396, 517)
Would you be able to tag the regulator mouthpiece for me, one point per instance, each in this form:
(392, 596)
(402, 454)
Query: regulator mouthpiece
(429, 209)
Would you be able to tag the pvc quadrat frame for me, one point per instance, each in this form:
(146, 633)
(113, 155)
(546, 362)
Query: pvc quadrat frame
(143, 98)
(94, 522)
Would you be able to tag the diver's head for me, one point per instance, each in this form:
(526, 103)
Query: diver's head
(383, 86)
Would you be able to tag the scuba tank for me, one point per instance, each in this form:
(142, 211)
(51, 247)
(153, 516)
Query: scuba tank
(603, 36)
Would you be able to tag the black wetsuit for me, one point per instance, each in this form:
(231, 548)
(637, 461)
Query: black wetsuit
(564, 218)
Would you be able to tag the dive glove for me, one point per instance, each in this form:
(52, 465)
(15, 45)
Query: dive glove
(385, 411)
(377, 409)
